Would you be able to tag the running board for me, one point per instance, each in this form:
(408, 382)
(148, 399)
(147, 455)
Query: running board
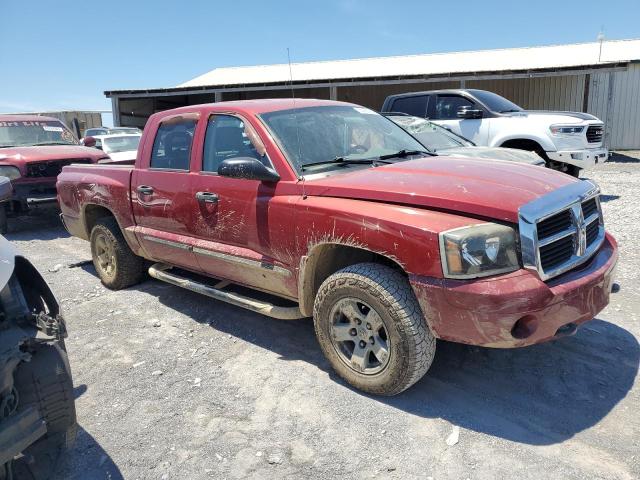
(160, 271)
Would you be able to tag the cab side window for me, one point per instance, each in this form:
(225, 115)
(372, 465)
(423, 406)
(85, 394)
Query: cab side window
(226, 137)
(447, 106)
(172, 145)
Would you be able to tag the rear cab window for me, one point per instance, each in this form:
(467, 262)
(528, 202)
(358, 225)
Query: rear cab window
(172, 145)
(415, 105)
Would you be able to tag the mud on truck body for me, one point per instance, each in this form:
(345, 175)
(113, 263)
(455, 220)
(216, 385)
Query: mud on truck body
(37, 409)
(339, 214)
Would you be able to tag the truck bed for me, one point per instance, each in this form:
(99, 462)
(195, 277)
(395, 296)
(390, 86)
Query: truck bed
(96, 185)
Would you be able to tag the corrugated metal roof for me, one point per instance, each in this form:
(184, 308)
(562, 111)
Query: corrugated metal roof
(510, 59)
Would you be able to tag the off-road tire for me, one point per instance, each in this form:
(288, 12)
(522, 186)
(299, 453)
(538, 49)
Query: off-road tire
(412, 345)
(45, 382)
(129, 268)
(4, 223)
(573, 171)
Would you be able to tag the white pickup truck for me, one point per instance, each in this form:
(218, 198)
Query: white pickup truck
(568, 141)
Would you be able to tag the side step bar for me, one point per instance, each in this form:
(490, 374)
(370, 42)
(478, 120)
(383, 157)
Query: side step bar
(160, 271)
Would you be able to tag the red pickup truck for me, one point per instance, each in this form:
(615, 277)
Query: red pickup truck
(33, 150)
(327, 209)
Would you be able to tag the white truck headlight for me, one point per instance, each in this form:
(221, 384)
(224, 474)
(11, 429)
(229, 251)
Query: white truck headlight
(478, 251)
(10, 172)
(560, 130)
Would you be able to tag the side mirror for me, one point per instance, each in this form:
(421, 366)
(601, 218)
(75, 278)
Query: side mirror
(467, 111)
(247, 168)
(6, 190)
(88, 141)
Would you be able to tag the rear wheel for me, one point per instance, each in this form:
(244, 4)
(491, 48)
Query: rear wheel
(45, 383)
(372, 330)
(117, 266)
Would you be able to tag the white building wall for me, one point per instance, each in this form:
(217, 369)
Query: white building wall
(615, 98)
(539, 93)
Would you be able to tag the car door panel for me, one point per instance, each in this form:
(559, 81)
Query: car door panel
(160, 195)
(233, 233)
(445, 114)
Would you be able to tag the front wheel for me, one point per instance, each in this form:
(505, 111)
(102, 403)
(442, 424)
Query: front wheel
(372, 330)
(573, 171)
(4, 224)
(45, 383)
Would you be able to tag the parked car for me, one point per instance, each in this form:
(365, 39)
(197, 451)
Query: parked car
(340, 214)
(123, 130)
(33, 150)
(120, 148)
(37, 409)
(567, 141)
(439, 140)
(94, 132)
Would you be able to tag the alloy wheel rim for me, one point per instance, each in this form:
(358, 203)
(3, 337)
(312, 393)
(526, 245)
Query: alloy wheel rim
(359, 336)
(105, 255)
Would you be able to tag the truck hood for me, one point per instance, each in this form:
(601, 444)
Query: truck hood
(21, 156)
(123, 156)
(580, 115)
(495, 153)
(558, 117)
(468, 186)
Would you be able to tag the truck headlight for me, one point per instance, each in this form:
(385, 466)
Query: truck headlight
(10, 172)
(478, 251)
(566, 129)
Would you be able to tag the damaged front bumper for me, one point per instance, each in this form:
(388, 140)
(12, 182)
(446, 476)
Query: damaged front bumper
(32, 194)
(517, 309)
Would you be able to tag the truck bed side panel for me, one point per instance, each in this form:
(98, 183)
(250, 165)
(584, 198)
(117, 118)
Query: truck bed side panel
(83, 187)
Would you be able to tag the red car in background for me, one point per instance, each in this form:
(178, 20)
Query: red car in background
(33, 150)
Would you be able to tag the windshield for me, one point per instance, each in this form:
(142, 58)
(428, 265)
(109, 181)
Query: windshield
(319, 134)
(495, 102)
(122, 143)
(41, 132)
(432, 136)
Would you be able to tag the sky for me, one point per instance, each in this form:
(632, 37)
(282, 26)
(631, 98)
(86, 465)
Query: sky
(62, 55)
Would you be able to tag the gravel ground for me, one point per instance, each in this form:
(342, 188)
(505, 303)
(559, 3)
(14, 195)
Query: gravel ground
(172, 385)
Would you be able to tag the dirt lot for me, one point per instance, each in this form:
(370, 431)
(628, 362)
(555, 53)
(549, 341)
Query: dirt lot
(172, 385)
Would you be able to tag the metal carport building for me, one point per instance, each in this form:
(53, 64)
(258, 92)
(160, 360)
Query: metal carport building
(602, 78)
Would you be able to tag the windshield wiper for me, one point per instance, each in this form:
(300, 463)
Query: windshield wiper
(347, 161)
(509, 111)
(405, 153)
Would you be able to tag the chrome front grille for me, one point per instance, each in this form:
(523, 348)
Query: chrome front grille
(561, 230)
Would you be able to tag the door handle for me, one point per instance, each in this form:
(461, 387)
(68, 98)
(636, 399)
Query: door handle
(207, 197)
(144, 190)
